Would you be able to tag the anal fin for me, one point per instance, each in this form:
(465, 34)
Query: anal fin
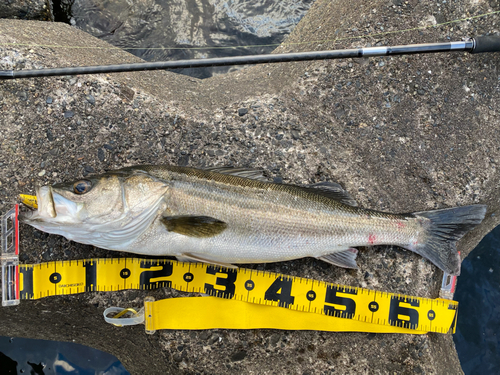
(190, 257)
(344, 258)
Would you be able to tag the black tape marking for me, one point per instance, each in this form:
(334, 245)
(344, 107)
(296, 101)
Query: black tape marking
(227, 282)
(395, 310)
(55, 277)
(125, 273)
(146, 276)
(90, 275)
(27, 292)
(431, 314)
(332, 298)
(249, 285)
(281, 291)
(311, 295)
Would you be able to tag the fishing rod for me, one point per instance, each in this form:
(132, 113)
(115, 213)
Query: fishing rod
(474, 45)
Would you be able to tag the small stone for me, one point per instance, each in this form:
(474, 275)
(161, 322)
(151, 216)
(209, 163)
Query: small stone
(90, 99)
(50, 136)
(242, 111)
(238, 356)
(211, 152)
(295, 134)
(42, 173)
(381, 63)
(68, 114)
(101, 154)
(108, 147)
(89, 169)
(205, 335)
(48, 100)
(420, 92)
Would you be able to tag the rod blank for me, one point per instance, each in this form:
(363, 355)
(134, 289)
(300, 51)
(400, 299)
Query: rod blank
(477, 45)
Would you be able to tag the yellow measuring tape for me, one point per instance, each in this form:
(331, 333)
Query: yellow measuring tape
(246, 298)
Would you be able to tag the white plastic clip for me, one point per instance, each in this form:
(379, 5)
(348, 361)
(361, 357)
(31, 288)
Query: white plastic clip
(9, 257)
(117, 320)
(448, 286)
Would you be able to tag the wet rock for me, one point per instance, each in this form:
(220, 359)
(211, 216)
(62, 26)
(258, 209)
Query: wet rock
(90, 99)
(27, 10)
(239, 356)
(89, 169)
(101, 154)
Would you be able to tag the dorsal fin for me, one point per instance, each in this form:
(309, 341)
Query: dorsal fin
(331, 190)
(253, 174)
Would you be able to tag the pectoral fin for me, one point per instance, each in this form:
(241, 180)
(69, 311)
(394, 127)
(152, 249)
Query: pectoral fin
(345, 258)
(190, 257)
(194, 226)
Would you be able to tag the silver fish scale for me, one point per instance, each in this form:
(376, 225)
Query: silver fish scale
(269, 222)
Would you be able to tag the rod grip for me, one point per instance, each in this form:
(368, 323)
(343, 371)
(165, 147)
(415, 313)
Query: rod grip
(487, 44)
(6, 74)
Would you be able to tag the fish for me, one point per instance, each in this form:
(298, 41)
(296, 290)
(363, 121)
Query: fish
(227, 216)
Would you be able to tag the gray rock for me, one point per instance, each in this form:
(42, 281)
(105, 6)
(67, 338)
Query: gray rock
(242, 111)
(90, 99)
(50, 137)
(101, 154)
(89, 169)
(27, 9)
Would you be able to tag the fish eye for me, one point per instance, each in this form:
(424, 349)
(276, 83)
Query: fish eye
(82, 187)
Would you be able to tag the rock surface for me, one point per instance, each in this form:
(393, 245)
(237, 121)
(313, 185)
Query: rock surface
(401, 134)
(27, 9)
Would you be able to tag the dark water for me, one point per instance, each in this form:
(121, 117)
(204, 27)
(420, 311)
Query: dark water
(159, 30)
(27, 356)
(478, 292)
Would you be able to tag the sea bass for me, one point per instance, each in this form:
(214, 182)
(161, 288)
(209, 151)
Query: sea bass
(230, 215)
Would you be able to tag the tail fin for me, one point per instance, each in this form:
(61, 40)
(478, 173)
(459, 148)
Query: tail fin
(445, 228)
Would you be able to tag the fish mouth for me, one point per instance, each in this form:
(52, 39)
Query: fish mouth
(51, 205)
